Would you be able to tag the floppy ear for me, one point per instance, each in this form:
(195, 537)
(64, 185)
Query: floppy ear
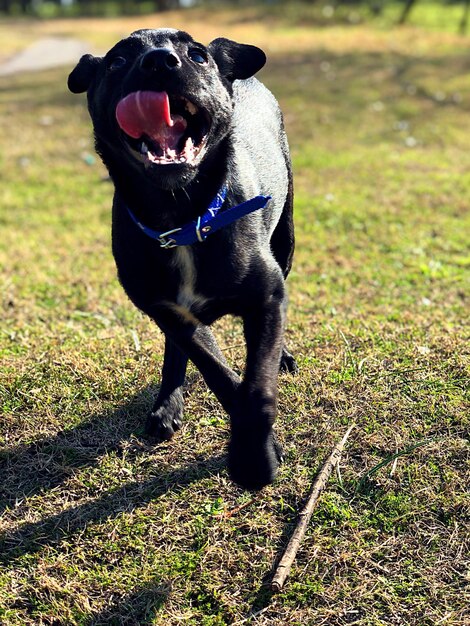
(236, 60)
(81, 77)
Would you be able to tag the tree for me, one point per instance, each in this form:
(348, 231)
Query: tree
(464, 20)
(406, 11)
(165, 5)
(5, 6)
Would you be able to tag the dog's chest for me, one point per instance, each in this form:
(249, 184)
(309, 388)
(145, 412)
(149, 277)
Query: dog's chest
(188, 300)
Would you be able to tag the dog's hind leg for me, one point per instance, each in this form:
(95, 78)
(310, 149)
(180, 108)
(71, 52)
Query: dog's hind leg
(283, 240)
(282, 246)
(167, 414)
(288, 363)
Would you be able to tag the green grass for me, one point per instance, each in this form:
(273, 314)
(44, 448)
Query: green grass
(100, 527)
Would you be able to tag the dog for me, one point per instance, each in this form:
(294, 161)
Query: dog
(202, 220)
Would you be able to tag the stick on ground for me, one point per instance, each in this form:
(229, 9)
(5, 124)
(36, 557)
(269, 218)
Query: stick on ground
(285, 563)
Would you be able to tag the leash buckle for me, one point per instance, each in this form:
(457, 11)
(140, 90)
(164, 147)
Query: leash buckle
(168, 243)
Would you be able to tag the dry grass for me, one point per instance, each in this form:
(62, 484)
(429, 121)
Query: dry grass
(98, 526)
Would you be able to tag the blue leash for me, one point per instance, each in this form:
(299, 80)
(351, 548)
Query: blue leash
(212, 220)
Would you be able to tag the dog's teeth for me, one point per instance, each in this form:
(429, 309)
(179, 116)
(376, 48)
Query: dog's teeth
(191, 107)
(144, 148)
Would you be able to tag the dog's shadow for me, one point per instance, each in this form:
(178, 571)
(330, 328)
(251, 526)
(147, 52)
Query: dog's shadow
(35, 469)
(30, 469)
(137, 608)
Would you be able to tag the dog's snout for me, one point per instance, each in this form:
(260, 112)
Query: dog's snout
(159, 59)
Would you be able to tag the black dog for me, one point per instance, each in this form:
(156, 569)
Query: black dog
(202, 219)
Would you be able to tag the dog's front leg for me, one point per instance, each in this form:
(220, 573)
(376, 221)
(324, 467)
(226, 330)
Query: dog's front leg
(254, 454)
(167, 414)
(197, 343)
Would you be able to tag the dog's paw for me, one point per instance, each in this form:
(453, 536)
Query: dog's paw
(165, 420)
(254, 464)
(288, 363)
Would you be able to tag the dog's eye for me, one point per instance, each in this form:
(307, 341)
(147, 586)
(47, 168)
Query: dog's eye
(197, 56)
(116, 63)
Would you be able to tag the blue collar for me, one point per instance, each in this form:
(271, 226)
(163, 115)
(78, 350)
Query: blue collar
(212, 220)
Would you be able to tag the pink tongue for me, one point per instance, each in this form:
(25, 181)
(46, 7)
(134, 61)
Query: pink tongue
(148, 113)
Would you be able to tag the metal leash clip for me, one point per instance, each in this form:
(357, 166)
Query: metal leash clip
(168, 243)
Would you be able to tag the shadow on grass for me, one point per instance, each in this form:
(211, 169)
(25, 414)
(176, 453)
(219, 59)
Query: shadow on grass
(138, 607)
(33, 536)
(35, 468)
(30, 469)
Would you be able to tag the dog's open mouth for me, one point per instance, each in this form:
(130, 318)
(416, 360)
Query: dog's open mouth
(163, 129)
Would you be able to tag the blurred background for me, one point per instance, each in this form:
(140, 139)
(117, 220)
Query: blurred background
(349, 10)
(330, 10)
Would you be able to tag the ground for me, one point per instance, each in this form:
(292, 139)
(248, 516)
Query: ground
(97, 525)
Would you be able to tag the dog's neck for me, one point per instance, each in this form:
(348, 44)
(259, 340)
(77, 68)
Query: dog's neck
(163, 209)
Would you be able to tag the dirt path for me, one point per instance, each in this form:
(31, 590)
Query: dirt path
(44, 54)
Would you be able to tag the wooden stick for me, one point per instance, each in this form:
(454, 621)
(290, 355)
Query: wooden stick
(237, 509)
(285, 563)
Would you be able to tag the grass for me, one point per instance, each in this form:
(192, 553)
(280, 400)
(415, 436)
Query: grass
(99, 527)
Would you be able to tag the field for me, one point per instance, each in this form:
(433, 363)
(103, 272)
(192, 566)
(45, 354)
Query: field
(98, 526)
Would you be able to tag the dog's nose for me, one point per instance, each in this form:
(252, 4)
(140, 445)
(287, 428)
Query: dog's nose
(159, 59)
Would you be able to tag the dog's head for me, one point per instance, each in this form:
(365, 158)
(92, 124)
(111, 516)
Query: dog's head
(161, 102)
